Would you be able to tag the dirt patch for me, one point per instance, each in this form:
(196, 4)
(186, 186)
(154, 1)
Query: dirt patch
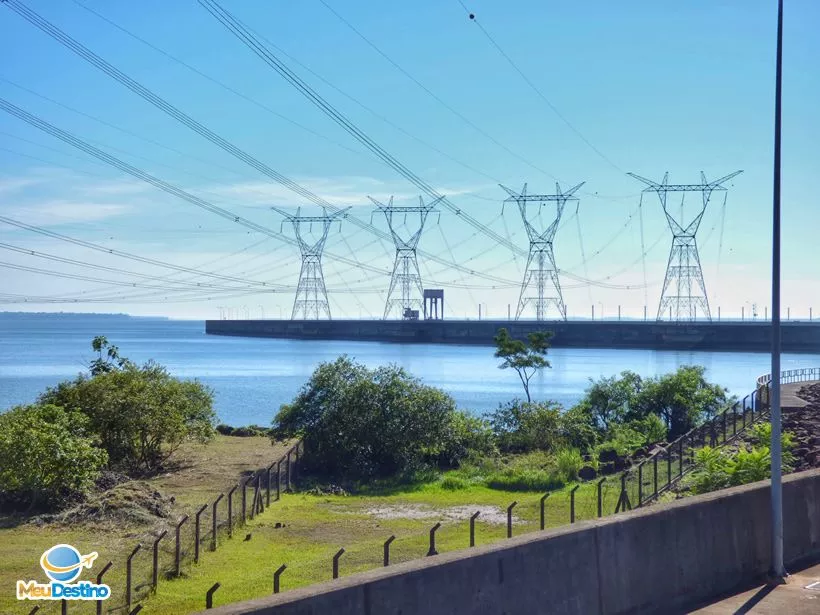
(134, 503)
(488, 514)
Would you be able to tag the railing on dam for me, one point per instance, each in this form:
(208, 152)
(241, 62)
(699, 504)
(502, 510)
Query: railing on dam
(666, 466)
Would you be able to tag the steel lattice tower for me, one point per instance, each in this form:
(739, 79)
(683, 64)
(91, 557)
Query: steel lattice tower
(541, 271)
(684, 290)
(405, 281)
(311, 295)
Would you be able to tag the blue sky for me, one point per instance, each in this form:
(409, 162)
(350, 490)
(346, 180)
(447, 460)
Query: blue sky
(653, 86)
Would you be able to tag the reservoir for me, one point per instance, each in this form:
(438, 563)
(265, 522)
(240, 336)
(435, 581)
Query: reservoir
(252, 377)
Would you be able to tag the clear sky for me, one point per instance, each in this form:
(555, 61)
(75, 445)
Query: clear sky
(642, 86)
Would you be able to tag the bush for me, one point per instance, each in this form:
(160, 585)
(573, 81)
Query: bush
(141, 414)
(711, 470)
(466, 436)
(47, 456)
(454, 483)
(513, 479)
(568, 463)
(522, 426)
(225, 430)
(362, 424)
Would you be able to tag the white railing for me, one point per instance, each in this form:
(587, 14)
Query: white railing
(803, 374)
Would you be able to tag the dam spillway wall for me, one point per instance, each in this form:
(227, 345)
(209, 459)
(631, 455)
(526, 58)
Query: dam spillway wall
(740, 336)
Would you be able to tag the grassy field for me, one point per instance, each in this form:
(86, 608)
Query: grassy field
(202, 472)
(314, 527)
(311, 529)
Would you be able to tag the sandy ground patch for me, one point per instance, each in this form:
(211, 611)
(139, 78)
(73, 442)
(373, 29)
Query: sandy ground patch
(489, 514)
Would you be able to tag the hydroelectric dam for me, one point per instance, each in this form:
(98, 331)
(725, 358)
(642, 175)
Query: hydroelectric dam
(738, 336)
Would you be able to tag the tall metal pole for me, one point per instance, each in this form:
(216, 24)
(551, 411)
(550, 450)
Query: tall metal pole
(777, 488)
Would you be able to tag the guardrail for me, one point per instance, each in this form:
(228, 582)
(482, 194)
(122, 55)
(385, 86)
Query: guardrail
(660, 471)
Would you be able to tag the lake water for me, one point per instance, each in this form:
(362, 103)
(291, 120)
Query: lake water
(253, 377)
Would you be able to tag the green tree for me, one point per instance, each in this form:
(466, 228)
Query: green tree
(47, 455)
(525, 426)
(108, 357)
(142, 414)
(360, 424)
(682, 399)
(612, 400)
(526, 358)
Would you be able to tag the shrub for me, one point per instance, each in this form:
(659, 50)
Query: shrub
(466, 436)
(712, 470)
(47, 455)
(513, 479)
(141, 414)
(651, 427)
(363, 424)
(522, 426)
(225, 430)
(567, 463)
(577, 428)
(453, 483)
(749, 466)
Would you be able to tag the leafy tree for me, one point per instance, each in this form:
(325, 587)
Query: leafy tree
(683, 399)
(108, 357)
(577, 429)
(613, 400)
(526, 358)
(47, 455)
(142, 414)
(361, 424)
(525, 426)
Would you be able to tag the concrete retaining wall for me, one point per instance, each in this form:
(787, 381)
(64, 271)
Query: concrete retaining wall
(735, 336)
(658, 559)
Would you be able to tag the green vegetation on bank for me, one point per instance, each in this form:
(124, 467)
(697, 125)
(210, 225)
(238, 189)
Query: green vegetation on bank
(120, 417)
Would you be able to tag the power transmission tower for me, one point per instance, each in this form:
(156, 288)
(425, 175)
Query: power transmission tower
(406, 289)
(541, 270)
(684, 290)
(311, 295)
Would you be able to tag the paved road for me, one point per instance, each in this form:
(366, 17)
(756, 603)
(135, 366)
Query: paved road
(800, 595)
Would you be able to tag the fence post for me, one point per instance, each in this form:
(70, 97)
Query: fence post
(734, 419)
(336, 563)
(432, 549)
(655, 472)
(472, 527)
(680, 457)
(63, 607)
(543, 515)
(244, 484)
(278, 479)
(136, 610)
(572, 503)
(287, 472)
(387, 550)
(34, 610)
(267, 496)
(254, 502)
(214, 524)
(723, 418)
(177, 548)
(230, 510)
(509, 519)
(600, 498)
(155, 569)
(196, 532)
(640, 484)
(209, 596)
(276, 575)
(99, 582)
(128, 576)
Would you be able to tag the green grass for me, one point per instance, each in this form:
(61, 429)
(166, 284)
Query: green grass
(202, 472)
(316, 527)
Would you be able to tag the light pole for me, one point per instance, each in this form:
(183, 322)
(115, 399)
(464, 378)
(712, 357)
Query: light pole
(777, 570)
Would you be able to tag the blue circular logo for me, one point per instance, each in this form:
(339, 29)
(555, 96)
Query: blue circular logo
(62, 563)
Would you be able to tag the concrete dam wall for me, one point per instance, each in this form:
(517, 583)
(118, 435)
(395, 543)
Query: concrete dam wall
(658, 559)
(749, 336)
